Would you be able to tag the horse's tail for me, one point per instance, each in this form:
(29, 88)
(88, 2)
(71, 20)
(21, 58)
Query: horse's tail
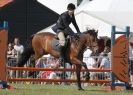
(28, 51)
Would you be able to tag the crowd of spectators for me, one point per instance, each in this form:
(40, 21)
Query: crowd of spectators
(14, 51)
(98, 62)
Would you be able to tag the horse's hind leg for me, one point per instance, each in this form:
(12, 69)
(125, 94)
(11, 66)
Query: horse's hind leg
(38, 53)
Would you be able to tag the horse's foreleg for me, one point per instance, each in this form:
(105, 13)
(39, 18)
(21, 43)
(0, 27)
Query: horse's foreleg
(87, 75)
(78, 62)
(78, 69)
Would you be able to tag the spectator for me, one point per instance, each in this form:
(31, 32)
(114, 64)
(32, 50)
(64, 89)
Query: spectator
(18, 47)
(43, 63)
(105, 64)
(10, 58)
(54, 64)
(131, 63)
(10, 54)
(87, 59)
(106, 51)
(10, 51)
(18, 50)
(90, 62)
(68, 74)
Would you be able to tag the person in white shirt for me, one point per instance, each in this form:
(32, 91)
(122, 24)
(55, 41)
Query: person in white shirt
(106, 50)
(18, 49)
(17, 46)
(90, 62)
(131, 63)
(105, 64)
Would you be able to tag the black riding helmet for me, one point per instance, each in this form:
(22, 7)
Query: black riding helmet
(71, 6)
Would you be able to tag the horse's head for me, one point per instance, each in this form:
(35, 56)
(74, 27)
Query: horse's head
(92, 40)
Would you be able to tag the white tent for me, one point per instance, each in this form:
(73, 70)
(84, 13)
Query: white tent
(107, 5)
(58, 6)
(102, 14)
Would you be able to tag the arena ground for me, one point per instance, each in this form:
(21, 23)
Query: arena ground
(38, 89)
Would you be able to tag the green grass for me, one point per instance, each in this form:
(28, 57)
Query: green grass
(35, 89)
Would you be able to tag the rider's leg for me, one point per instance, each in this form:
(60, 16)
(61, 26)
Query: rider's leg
(61, 37)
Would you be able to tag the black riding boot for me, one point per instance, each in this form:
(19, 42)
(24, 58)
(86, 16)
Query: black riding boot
(61, 58)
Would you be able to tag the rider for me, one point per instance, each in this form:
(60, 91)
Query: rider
(62, 27)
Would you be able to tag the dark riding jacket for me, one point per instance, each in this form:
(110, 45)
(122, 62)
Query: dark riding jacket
(63, 23)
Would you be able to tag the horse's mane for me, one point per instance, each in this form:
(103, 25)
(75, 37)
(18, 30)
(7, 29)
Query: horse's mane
(75, 40)
(91, 32)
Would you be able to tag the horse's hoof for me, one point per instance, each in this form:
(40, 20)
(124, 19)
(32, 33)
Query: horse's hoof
(81, 89)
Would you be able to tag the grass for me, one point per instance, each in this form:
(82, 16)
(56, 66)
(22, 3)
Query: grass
(37, 89)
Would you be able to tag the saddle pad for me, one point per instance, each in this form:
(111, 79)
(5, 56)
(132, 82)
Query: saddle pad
(56, 45)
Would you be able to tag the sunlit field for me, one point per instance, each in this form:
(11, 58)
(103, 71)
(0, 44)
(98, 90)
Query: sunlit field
(37, 89)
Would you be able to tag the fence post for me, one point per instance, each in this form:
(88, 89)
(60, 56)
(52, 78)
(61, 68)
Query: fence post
(120, 50)
(112, 44)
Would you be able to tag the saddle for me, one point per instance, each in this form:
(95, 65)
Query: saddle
(56, 45)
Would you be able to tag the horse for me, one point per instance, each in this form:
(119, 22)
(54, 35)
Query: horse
(103, 42)
(42, 44)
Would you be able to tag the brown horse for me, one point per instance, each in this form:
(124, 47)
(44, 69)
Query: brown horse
(42, 43)
(104, 42)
